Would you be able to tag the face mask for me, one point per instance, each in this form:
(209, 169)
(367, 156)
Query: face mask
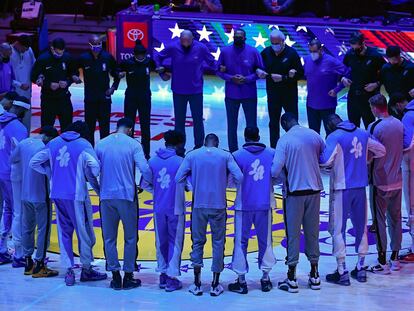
(358, 51)
(186, 48)
(140, 58)
(278, 47)
(96, 48)
(315, 56)
(238, 42)
(57, 55)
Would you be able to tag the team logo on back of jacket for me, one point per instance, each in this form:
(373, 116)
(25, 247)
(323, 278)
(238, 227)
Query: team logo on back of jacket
(357, 148)
(164, 179)
(257, 170)
(63, 157)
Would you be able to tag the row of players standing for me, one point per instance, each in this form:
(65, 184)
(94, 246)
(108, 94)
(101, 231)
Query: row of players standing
(240, 65)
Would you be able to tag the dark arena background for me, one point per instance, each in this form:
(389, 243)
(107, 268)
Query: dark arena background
(159, 24)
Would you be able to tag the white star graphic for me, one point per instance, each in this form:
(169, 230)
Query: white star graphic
(163, 91)
(204, 34)
(162, 47)
(299, 28)
(273, 26)
(289, 42)
(176, 31)
(218, 93)
(260, 41)
(230, 36)
(216, 54)
(342, 49)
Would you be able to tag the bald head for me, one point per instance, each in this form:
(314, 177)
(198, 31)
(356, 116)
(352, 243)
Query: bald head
(94, 40)
(186, 39)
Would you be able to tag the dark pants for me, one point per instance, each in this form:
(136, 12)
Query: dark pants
(286, 98)
(359, 108)
(142, 104)
(56, 107)
(180, 112)
(98, 110)
(317, 116)
(232, 110)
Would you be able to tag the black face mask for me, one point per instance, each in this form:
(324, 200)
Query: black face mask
(5, 59)
(358, 51)
(238, 42)
(186, 48)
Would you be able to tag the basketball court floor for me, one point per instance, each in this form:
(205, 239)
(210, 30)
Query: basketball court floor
(18, 292)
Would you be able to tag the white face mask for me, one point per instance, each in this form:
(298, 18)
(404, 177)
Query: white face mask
(315, 56)
(278, 47)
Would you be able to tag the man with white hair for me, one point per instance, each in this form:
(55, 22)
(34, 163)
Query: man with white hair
(283, 69)
(188, 59)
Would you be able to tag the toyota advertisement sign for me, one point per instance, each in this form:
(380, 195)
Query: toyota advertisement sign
(128, 31)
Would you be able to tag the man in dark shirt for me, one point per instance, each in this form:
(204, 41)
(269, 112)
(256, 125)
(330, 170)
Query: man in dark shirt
(365, 64)
(398, 75)
(283, 69)
(54, 71)
(97, 64)
(137, 70)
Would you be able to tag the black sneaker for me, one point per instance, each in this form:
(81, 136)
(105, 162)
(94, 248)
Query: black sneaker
(28, 267)
(237, 287)
(266, 285)
(314, 281)
(116, 282)
(290, 286)
(340, 279)
(359, 275)
(129, 282)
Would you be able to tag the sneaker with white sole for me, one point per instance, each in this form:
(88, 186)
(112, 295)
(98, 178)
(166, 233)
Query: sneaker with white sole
(216, 290)
(195, 290)
(314, 282)
(380, 269)
(395, 265)
(290, 286)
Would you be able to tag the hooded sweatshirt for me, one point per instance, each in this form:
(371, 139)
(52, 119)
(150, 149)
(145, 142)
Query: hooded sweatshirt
(34, 184)
(256, 190)
(72, 162)
(11, 132)
(168, 195)
(347, 152)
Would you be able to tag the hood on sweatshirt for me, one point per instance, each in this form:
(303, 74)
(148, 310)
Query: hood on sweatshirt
(254, 147)
(70, 136)
(346, 126)
(410, 106)
(7, 117)
(165, 153)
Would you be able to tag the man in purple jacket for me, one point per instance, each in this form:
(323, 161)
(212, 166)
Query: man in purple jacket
(323, 73)
(169, 210)
(238, 64)
(253, 205)
(11, 132)
(188, 58)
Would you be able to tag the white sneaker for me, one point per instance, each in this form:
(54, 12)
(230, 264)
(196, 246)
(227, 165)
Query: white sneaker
(395, 265)
(216, 291)
(195, 290)
(380, 269)
(290, 286)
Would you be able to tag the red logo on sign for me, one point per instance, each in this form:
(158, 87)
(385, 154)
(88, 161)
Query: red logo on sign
(133, 31)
